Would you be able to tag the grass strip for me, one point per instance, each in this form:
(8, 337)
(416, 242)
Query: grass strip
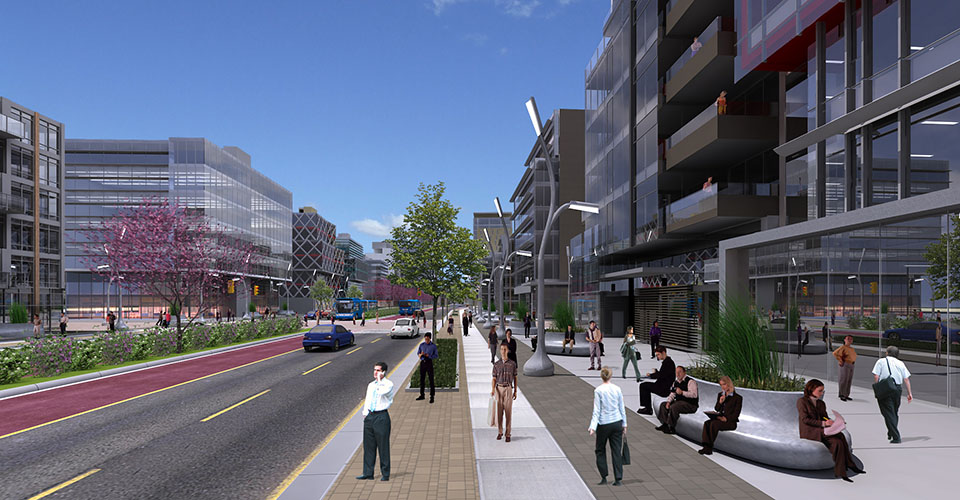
(444, 368)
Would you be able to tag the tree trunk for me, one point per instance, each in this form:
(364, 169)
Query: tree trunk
(433, 315)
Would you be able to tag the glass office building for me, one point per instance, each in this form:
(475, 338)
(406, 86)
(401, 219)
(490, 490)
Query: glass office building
(104, 176)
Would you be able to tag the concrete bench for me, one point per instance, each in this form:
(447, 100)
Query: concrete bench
(768, 430)
(554, 344)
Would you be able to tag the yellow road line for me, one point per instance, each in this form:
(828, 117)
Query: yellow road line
(303, 465)
(221, 412)
(378, 340)
(314, 368)
(353, 351)
(14, 433)
(63, 485)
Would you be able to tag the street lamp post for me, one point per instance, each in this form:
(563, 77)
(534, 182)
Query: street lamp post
(487, 324)
(505, 246)
(503, 269)
(539, 365)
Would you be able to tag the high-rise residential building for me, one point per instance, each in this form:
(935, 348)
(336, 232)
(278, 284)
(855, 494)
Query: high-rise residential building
(315, 257)
(378, 260)
(355, 267)
(564, 133)
(104, 176)
(797, 152)
(31, 205)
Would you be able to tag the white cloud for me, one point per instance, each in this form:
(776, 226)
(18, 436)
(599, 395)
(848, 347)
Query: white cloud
(440, 5)
(518, 8)
(477, 39)
(379, 229)
(565, 2)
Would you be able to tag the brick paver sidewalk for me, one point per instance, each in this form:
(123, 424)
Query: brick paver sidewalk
(431, 447)
(661, 467)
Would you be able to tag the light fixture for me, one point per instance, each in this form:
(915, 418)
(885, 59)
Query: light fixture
(100, 267)
(912, 155)
(794, 260)
(834, 61)
(583, 206)
(123, 232)
(496, 201)
(534, 116)
(711, 281)
(938, 122)
(804, 282)
(852, 277)
(916, 47)
(524, 253)
(486, 235)
(917, 280)
(12, 266)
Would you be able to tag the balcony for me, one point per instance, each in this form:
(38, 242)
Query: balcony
(720, 207)
(746, 129)
(10, 128)
(684, 17)
(700, 76)
(10, 204)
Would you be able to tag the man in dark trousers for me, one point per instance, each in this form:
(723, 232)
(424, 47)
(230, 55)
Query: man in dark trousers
(663, 380)
(728, 407)
(376, 423)
(427, 353)
(492, 342)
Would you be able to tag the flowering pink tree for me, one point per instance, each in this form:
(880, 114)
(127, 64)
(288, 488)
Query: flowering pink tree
(165, 250)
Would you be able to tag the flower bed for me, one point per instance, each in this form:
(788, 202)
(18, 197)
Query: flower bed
(55, 355)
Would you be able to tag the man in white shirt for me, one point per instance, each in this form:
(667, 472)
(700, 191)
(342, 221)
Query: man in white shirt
(376, 423)
(891, 366)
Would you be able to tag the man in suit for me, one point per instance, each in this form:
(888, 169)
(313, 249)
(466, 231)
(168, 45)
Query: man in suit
(663, 380)
(729, 404)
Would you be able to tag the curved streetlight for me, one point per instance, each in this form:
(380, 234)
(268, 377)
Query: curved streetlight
(487, 324)
(502, 333)
(539, 365)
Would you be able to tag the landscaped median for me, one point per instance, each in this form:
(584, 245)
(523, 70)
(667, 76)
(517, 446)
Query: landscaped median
(445, 369)
(51, 358)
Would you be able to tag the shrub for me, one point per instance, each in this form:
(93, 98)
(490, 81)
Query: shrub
(251, 307)
(563, 316)
(197, 336)
(248, 330)
(444, 369)
(853, 321)
(14, 364)
(116, 347)
(18, 313)
(521, 310)
(86, 355)
(284, 306)
(870, 323)
(738, 347)
(884, 308)
(49, 355)
(164, 340)
(782, 383)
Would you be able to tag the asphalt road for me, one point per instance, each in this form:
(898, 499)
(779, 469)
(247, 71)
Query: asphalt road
(158, 447)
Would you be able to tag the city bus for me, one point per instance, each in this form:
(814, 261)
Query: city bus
(352, 309)
(409, 307)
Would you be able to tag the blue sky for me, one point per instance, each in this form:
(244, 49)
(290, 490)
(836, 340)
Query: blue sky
(349, 104)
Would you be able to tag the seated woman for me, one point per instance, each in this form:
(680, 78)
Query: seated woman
(813, 418)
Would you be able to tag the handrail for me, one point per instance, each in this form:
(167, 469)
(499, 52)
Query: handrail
(705, 36)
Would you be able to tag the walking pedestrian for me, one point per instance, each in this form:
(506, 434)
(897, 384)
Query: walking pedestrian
(891, 366)
(450, 324)
(464, 323)
(629, 353)
(492, 342)
(427, 352)
(846, 357)
(938, 337)
(568, 337)
(111, 321)
(166, 319)
(504, 383)
(609, 423)
(594, 337)
(363, 318)
(63, 322)
(160, 318)
(511, 346)
(833, 318)
(219, 318)
(38, 326)
(826, 336)
(526, 325)
(376, 423)
(654, 338)
(813, 420)
(800, 339)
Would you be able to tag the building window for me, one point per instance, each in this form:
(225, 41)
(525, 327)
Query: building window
(21, 236)
(49, 171)
(49, 239)
(50, 205)
(27, 120)
(49, 273)
(25, 193)
(48, 137)
(21, 163)
(21, 270)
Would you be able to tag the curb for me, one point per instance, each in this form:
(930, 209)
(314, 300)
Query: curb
(26, 389)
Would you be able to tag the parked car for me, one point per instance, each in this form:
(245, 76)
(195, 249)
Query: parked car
(923, 330)
(325, 335)
(404, 327)
(310, 315)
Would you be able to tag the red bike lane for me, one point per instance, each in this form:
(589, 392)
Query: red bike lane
(22, 413)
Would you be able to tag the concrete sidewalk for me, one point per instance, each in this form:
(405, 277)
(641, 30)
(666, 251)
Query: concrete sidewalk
(920, 467)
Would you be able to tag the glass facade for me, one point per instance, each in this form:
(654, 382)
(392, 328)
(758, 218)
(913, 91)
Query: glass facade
(104, 176)
(314, 254)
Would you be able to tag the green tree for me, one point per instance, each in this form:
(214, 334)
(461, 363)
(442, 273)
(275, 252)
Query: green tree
(431, 253)
(355, 292)
(321, 292)
(941, 268)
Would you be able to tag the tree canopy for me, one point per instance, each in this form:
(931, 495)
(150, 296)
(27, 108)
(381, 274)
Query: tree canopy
(321, 292)
(431, 253)
(941, 268)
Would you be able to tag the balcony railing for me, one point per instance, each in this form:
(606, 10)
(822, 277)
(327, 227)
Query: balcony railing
(935, 56)
(10, 204)
(717, 25)
(692, 205)
(733, 108)
(10, 126)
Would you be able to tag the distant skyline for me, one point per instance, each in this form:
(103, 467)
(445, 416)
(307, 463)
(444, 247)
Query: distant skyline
(349, 105)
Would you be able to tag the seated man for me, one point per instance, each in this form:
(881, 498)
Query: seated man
(661, 386)
(682, 399)
(728, 409)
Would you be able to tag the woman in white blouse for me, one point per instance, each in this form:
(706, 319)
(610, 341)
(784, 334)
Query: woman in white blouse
(609, 422)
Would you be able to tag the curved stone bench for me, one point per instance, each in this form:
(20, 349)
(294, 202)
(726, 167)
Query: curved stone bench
(768, 430)
(554, 344)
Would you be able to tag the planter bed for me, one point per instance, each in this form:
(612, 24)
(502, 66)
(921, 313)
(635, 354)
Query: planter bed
(446, 370)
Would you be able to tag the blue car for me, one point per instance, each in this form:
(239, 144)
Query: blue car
(332, 336)
(924, 330)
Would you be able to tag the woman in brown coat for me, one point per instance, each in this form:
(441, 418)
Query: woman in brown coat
(813, 419)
